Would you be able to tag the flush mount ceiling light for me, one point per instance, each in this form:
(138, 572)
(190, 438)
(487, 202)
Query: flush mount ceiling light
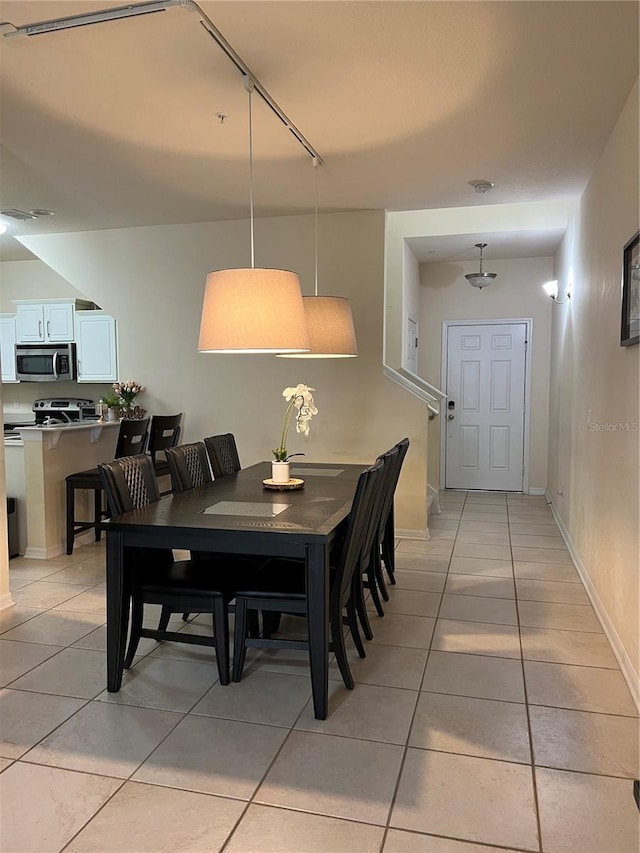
(480, 279)
(329, 318)
(253, 310)
(551, 289)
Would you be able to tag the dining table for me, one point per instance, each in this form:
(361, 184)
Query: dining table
(237, 514)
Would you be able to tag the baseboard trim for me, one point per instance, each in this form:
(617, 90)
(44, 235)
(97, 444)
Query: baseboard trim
(411, 534)
(6, 601)
(43, 553)
(628, 671)
(536, 491)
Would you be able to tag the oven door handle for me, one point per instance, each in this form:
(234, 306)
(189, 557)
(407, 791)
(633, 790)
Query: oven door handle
(55, 364)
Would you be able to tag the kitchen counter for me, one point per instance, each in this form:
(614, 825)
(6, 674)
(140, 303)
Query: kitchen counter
(51, 453)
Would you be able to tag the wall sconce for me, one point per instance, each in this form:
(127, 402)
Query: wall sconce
(551, 289)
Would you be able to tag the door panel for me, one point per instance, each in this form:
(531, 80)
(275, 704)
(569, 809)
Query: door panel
(485, 410)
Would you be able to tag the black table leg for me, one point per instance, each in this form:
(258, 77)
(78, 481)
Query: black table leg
(117, 610)
(318, 626)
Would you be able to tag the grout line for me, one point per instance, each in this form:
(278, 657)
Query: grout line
(534, 782)
(413, 716)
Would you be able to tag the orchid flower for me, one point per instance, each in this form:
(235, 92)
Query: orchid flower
(299, 398)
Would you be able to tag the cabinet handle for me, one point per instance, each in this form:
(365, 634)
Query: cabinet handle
(39, 328)
(48, 328)
(79, 367)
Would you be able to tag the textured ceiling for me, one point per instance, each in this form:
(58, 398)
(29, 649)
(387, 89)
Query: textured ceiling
(114, 125)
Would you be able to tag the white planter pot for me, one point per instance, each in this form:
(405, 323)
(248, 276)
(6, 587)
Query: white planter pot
(112, 415)
(280, 472)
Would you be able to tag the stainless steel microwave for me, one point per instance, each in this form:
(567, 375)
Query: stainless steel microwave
(45, 362)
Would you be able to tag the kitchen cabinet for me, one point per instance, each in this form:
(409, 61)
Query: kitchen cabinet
(8, 347)
(96, 346)
(47, 321)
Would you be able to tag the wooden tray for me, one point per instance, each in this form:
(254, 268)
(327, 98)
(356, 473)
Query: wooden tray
(289, 486)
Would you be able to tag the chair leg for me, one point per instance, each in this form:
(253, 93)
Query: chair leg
(97, 512)
(337, 637)
(137, 610)
(270, 623)
(164, 618)
(361, 608)
(352, 622)
(71, 512)
(185, 616)
(221, 637)
(373, 589)
(377, 568)
(388, 552)
(239, 637)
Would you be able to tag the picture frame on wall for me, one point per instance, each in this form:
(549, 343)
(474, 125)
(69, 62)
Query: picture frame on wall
(630, 331)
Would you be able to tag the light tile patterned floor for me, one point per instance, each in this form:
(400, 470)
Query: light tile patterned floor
(489, 714)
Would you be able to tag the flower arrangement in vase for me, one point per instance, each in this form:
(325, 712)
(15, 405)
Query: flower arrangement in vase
(299, 398)
(122, 400)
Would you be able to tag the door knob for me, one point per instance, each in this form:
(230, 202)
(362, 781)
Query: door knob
(450, 417)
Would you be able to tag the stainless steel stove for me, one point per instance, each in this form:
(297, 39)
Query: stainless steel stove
(55, 411)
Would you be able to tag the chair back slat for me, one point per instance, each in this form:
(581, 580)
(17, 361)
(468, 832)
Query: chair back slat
(132, 437)
(129, 482)
(223, 455)
(188, 465)
(393, 460)
(360, 531)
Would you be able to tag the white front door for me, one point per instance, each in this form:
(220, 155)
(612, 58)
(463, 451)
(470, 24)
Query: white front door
(484, 415)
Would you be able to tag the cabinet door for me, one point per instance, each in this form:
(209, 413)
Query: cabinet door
(58, 322)
(96, 347)
(8, 348)
(30, 324)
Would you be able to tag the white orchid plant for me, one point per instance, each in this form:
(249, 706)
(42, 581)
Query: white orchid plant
(301, 399)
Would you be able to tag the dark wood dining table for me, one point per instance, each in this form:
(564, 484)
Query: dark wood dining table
(238, 515)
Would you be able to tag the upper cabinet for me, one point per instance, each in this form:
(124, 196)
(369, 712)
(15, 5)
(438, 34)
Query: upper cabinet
(96, 347)
(8, 347)
(49, 321)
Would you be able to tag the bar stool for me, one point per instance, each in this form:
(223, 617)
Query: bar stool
(132, 438)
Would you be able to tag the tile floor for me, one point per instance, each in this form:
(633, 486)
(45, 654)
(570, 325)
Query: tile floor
(489, 714)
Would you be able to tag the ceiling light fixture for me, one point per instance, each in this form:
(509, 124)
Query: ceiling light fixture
(551, 289)
(253, 310)
(482, 187)
(480, 279)
(329, 318)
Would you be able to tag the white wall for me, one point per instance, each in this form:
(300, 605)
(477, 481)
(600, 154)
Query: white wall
(152, 280)
(593, 473)
(516, 293)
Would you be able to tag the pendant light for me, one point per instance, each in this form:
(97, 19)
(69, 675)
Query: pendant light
(480, 279)
(253, 310)
(329, 318)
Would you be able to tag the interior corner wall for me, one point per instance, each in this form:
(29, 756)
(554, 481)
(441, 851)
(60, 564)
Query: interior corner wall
(152, 280)
(593, 450)
(516, 293)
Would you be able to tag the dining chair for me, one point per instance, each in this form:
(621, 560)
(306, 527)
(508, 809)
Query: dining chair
(386, 534)
(164, 432)
(156, 578)
(188, 466)
(223, 455)
(132, 438)
(372, 577)
(282, 586)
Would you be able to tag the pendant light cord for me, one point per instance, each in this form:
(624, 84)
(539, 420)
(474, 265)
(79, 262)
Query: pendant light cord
(316, 164)
(249, 85)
